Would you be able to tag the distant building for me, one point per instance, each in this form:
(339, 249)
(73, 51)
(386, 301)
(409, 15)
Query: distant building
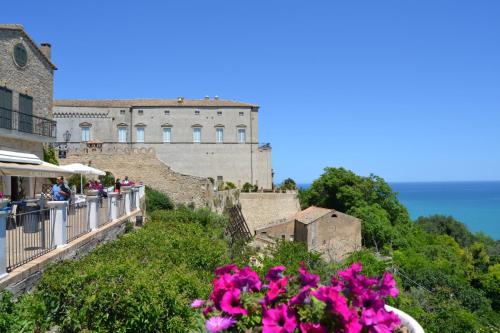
(207, 138)
(26, 87)
(332, 233)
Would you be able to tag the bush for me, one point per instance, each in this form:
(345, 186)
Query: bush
(247, 187)
(142, 282)
(156, 200)
(107, 180)
(229, 186)
(77, 180)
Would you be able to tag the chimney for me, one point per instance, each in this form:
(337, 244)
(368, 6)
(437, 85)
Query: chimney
(207, 97)
(216, 97)
(180, 99)
(46, 49)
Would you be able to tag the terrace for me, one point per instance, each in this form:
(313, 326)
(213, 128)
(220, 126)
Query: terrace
(27, 236)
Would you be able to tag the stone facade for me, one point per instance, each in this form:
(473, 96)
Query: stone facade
(142, 165)
(229, 156)
(263, 209)
(329, 232)
(25, 134)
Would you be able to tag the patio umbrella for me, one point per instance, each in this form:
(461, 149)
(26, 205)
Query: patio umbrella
(83, 169)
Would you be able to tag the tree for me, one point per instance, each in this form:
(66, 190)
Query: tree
(446, 225)
(288, 184)
(49, 155)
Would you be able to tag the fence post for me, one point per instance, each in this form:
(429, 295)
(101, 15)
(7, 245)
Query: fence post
(3, 241)
(135, 193)
(126, 192)
(113, 205)
(59, 222)
(93, 215)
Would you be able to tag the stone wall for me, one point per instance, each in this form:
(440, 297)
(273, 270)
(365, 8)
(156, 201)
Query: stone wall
(35, 79)
(262, 209)
(142, 165)
(281, 230)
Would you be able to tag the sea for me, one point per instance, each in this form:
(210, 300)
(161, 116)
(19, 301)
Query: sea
(475, 203)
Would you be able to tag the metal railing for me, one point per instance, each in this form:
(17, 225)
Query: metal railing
(27, 123)
(78, 220)
(29, 235)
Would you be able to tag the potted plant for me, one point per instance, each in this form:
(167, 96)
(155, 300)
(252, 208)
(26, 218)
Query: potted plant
(350, 303)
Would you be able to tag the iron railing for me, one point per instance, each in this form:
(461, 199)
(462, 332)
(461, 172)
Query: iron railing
(78, 220)
(27, 123)
(29, 235)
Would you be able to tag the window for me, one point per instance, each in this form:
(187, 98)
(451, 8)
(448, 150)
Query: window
(166, 112)
(140, 134)
(242, 114)
(140, 112)
(167, 134)
(122, 134)
(122, 112)
(197, 112)
(25, 113)
(242, 135)
(5, 108)
(85, 133)
(219, 134)
(219, 113)
(196, 134)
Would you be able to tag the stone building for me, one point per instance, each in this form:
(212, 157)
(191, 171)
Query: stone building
(206, 138)
(332, 233)
(26, 87)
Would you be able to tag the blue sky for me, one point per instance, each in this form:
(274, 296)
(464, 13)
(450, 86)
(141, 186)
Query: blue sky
(408, 90)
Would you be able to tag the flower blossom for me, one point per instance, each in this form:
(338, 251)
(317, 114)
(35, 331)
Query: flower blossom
(247, 280)
(230, 303)
(388, 286)
(275, 273)
(275, 289)
(279, 320)
(306, 278)
(379, 321)
(226, 270)
(312, 328)
(197, 303)
(218, 324)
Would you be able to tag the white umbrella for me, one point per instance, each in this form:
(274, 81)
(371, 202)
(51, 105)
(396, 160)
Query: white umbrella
(83, 169)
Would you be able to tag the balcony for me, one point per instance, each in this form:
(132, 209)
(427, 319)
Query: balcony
(26, 123)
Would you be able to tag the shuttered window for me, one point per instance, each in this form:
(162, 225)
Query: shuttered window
(25, 113)
(122, 134)
(197, 134)
(167, 134)
(85, 134)
(219, 134)
(140, 134)
(5, 108)
(242, 135)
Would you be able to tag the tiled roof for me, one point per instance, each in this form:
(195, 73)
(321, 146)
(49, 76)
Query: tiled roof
(313, 213)
(125, 103)
(19, 27)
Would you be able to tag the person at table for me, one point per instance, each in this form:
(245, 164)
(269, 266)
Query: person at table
(118, 185)
(60, 192)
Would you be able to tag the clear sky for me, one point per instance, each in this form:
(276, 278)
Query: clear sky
(408, 90)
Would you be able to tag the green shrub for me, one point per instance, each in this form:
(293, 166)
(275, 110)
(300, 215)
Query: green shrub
(107, 180)
(142, 282)
(77, 180)
(229, 186)
(247, 187)
(156, 200)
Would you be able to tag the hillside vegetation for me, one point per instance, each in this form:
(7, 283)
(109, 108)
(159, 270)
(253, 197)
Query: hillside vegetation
(450, 277)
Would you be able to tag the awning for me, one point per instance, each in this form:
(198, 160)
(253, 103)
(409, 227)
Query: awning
(83, 169)
(45, 170)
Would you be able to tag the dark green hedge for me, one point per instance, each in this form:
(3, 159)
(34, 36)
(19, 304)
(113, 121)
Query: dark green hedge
(143, 282)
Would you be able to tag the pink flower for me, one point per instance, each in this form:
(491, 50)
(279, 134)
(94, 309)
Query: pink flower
(379, 321)
(197, 303)
(218, 324)
(312, 328)
(247, 280)
(306, 278)
(221, 285)
(335, 302)
(275, 273)
(226, 269)
(231, 303)
(275, 289)
(302, 297)
(279, 320)
(388, 286)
